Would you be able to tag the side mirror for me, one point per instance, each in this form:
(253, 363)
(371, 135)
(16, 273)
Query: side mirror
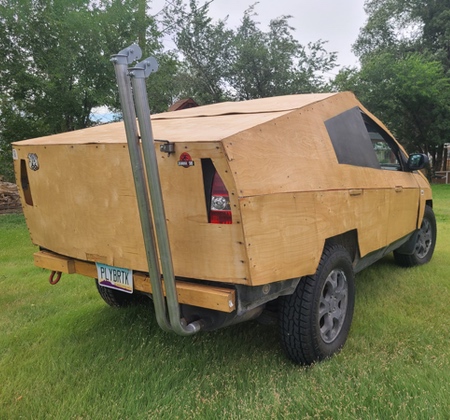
(417, 161)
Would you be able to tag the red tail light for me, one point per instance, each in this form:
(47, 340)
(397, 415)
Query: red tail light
(220, 210)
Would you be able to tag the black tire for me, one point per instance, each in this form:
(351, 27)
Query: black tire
(315, 320)
(425, 243)
(116, 298)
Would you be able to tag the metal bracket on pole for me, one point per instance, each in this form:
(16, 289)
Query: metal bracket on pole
(121, 61)
(138, 75)
(127, 55)
(145, 68)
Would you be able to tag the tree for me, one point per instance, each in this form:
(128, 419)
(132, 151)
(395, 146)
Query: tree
(56, 67)
(204, 48)
(404, 53)
(411, 95)
(222, 64)
(274, 63)
(421, 26)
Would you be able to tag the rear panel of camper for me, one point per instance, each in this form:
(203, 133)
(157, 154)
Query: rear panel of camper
(80, 202)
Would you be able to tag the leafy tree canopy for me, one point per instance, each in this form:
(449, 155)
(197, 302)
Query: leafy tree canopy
(219, 63)
(404, 51)
(409, 25)
(411, 95)
(55, 68)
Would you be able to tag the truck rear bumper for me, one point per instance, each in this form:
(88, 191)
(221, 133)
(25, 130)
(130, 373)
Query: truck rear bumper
(203, 296)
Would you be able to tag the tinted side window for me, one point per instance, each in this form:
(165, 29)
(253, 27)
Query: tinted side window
(351, 140)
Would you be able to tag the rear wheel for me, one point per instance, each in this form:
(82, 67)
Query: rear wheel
(116, 298)
(315, 320)
(425, 242)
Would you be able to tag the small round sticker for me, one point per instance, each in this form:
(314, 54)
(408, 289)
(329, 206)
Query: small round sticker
(185, 160)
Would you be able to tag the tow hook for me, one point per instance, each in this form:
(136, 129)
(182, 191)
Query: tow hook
(54, 278)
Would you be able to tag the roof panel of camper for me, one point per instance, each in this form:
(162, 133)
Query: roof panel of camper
(201, 124)
(256, 106)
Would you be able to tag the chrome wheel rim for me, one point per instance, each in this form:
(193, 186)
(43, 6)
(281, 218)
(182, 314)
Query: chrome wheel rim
(424, 239)
(333, 305)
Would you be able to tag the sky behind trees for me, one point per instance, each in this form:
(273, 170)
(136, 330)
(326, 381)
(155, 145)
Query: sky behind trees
(337, 22)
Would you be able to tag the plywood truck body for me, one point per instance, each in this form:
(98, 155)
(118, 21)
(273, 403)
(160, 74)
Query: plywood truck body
(289, 193)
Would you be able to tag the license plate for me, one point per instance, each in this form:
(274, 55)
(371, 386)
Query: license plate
(115, 277)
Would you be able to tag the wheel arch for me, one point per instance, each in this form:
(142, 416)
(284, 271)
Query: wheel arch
(349, 240)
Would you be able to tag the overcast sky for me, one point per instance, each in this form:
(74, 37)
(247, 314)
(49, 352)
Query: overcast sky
(335, 21)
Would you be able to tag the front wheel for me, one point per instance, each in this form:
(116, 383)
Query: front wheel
(424, 245)
(315, 320)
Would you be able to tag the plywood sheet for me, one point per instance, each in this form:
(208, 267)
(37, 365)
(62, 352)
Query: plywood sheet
(294, 153)
(256, 106)
(281, 236)
(404, 207)
(285, 233)
(200, 124)
(177, 130)
(366, 210)
(84, 206)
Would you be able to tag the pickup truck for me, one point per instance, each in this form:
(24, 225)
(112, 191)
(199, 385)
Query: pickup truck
(263, 205)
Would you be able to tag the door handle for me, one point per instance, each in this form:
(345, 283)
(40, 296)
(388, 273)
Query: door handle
(398, 189)
(355, 192)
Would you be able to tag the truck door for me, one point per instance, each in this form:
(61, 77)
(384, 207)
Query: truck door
(403, 195)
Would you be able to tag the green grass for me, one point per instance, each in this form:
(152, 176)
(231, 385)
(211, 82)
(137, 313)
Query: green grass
(65, 354)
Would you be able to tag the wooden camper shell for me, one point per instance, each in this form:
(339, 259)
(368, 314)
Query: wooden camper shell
(288, 192)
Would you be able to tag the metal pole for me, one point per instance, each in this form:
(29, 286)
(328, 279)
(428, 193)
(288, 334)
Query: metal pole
(138, 75)
(121, 61)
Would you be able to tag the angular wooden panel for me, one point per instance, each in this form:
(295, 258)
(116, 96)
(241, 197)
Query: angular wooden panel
(84, 207)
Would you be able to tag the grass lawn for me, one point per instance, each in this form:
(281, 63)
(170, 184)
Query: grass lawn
(64, 354)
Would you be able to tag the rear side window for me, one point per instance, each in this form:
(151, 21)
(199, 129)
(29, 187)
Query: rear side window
(359, 141)
(351, 140)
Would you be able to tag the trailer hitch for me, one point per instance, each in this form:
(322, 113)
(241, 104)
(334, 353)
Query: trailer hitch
(148, 186)
(52, 279)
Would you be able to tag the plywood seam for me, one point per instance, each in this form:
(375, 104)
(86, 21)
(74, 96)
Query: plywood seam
(319, 97)
(224, 114)
(323, 191)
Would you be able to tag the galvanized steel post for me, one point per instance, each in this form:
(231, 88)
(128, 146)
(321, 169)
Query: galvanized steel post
(138, 75)
(121, 61)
